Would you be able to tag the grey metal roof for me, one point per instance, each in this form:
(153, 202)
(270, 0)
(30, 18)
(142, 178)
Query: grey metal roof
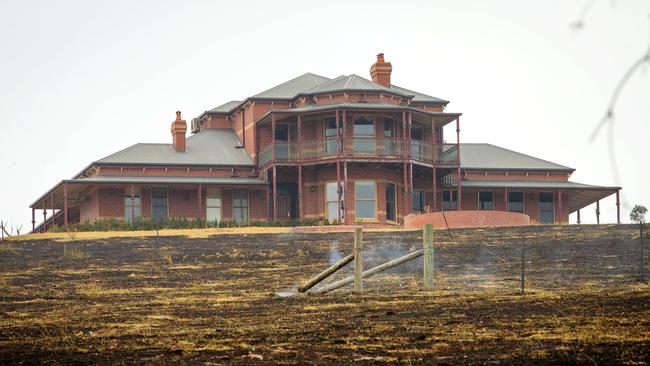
(210, 147)
(352, 83)
(293, 87)
(446, 117)
(167, 180)
(488, 156)
(532, 185)
(419, 97)
(226, 107)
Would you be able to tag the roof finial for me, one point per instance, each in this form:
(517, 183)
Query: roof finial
(178, 115)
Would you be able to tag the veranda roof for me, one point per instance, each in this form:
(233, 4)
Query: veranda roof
(580, 195)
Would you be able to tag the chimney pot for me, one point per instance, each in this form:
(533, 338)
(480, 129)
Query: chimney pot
(179, 128)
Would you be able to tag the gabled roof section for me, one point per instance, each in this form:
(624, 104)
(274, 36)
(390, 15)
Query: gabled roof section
(293, 87)
(488, 156)
(419, 97)
(225, 108)
(352, 82)
(210, 147)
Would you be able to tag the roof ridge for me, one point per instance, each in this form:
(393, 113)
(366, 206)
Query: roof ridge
(289, 81)
(226, 103)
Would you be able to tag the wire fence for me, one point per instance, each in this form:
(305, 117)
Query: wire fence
(512, 260)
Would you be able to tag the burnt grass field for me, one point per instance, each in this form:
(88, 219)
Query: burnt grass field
(229, 299)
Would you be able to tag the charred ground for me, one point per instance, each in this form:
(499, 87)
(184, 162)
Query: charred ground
(170, 299)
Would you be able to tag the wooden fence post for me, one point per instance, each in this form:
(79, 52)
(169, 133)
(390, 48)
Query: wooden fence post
(523, 264)
(427, 235)
(642, 259)
(358, 260)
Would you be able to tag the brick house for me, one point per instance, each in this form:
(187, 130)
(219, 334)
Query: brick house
(346, 149)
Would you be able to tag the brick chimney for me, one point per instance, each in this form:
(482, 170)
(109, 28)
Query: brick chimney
(179, 127)
(380, 71)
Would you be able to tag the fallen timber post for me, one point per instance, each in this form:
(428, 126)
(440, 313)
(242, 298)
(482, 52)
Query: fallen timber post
(372, 271)
(326, 273)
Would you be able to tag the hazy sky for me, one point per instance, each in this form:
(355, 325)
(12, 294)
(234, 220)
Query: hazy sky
(83, 79)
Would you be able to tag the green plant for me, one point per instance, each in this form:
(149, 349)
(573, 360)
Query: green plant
(638, 214)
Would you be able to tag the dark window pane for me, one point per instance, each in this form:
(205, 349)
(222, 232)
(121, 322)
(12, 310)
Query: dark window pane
(390, 202)
(417, 133)
(546, 208)
(485, 201)
(364, 127)
(417, 201)
(389, 127)
(282, 132)
(516, 202)
(240, 205)
(159, 192)
(446, 205)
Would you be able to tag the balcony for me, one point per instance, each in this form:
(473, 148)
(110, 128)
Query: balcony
(359, 148)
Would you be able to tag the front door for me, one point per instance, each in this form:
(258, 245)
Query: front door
(213, 206)
(287, 200)
(546, 208)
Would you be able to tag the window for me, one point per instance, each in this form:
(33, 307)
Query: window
(132, 205)
(390, 145)
(417, 145)
(330, 135)
(240, 205)
(516, 202)
(213, 205)
(446, 204)
(438, 132)
(159, 203)
(546, 208)
(364, 136)
(417, 200)
(331, 200)
(282, 141)
(365, 193)
(485, 201)
(391, 204)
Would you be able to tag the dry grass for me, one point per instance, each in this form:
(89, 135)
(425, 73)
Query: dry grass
(189, 233)
(165, 254)
(216, 304)
(8, 248)
(75, 253)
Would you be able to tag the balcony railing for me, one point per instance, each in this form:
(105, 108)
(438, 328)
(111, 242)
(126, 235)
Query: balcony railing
(359, 147)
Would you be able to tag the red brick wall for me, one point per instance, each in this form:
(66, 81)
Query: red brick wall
(89, 209)
(111, 202)
(218, 122)
(183, 203)
(460, 219)
(227, 204)
(257, 204)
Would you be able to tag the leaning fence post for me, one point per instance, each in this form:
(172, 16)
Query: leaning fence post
(523, 264)
(427, 241)
(358, 261)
